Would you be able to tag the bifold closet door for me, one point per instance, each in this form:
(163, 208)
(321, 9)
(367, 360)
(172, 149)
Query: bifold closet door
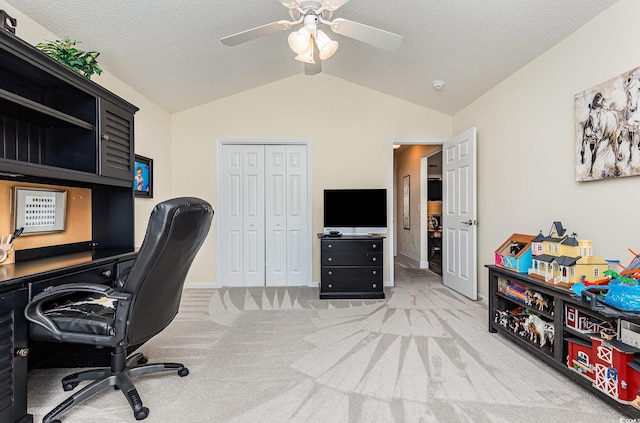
(287, 235)
(242, 254)
(264, 215)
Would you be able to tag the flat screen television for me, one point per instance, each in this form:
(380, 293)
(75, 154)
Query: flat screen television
(355, 211)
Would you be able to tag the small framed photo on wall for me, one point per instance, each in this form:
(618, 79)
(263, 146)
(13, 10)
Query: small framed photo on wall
(143, 177)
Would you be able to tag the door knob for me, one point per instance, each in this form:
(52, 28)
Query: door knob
(470, 222)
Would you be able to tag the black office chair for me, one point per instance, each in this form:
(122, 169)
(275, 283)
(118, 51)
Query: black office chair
(135, 309)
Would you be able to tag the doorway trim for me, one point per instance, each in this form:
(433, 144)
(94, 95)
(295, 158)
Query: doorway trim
(391, 198)
(220, 142)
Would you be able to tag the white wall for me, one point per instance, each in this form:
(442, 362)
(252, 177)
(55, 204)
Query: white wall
(152, 124)
(526, 145)
(350, 128)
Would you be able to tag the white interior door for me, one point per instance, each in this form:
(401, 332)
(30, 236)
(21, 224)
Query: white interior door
(459, 255)
(242, 210)
(263, 218)
(287, 233)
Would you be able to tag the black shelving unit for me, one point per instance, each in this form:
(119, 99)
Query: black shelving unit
(557, 298)
(59, 128)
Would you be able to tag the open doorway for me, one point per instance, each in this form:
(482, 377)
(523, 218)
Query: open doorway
(459, 208)
(414, 164)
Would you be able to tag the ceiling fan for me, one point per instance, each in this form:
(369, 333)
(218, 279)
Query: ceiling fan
(310, 43)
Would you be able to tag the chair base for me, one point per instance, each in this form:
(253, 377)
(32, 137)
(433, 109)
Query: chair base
(119, 376)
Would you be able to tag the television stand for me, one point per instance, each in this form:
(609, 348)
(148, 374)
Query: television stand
(351, 267)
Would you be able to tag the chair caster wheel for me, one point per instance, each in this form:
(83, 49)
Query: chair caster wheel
(69, 386)
(141, 414)
(143, 360)
(183, 372)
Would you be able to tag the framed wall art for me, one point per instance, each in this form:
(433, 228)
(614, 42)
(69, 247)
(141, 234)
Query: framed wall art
(39, 210)
(406, 202)
(607, 120)
(143, 177)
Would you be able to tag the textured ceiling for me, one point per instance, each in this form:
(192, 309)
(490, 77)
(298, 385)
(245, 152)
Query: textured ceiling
(170, 51)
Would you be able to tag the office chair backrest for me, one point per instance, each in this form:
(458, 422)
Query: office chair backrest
(177, 228)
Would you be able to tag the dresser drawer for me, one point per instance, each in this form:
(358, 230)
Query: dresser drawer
(352, 259)
(340, 246)
(101, 274)
(351, 278)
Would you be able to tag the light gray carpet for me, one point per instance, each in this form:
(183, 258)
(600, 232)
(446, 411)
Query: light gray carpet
(282, 355)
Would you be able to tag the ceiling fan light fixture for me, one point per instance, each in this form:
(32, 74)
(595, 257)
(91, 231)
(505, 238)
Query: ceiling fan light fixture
(326, 46)
(306, 58)
(299, 41)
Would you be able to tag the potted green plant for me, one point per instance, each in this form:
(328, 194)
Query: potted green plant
(65, 52)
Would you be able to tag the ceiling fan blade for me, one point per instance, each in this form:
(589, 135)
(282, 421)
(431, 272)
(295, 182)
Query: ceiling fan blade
(367, 34)
(314, 68)
(251, 34)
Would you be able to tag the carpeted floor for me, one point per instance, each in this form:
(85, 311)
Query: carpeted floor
(282, 355)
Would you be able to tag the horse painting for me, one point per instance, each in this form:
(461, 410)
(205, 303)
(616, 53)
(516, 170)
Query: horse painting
(601, 132)
(608, 129)
(632, 113)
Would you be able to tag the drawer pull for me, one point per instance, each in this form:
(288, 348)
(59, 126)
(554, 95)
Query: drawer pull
(22, 352)
(375, 285)
(374, 272)
(330, 286)
(107, 273)
(330, 272)
(329, 259)
(330, 246)
(375, 246)
(375, 259)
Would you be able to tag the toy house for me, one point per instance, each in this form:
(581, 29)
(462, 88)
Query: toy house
(575, 319)
(563, 260)
(515, 253)
(609, 365)
(584, 323)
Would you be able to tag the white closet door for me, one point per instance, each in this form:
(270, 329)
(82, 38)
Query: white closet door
(242, 210)
(287, 234)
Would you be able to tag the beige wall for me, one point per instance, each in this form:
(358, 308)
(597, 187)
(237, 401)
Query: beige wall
(526, 145)
(351, 129)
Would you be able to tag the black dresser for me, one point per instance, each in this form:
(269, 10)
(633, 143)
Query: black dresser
(351, 267)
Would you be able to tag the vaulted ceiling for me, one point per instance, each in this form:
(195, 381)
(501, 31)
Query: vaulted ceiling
(170, 51)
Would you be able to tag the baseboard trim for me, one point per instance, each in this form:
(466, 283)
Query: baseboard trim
(200, 285)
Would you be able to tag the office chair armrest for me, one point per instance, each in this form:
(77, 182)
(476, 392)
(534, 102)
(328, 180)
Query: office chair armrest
(34, 313)
(120, 280)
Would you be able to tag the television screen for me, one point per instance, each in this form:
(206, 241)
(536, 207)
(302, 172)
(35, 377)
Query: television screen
(355, 208)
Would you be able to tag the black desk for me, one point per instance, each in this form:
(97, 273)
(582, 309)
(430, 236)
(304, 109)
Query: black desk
(18, 284)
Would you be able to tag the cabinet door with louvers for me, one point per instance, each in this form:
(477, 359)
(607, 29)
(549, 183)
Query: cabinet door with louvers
(116, 141)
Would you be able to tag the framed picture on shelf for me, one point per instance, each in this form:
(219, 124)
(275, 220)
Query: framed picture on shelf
(143, 177)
